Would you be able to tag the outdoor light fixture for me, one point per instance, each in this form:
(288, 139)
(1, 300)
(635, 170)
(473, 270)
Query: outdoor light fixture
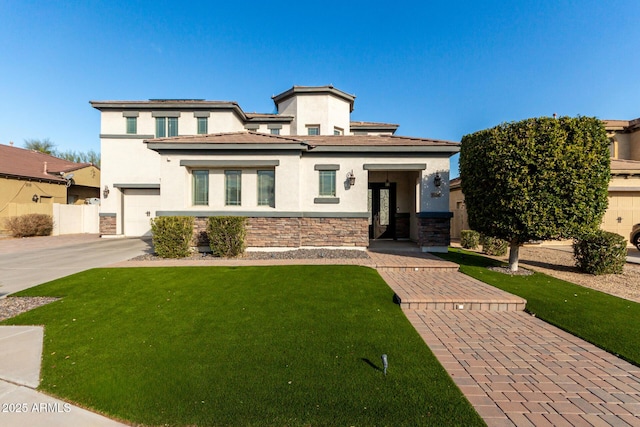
(386, 183)
(385, 364)
(437, 180)
(35, 198)
(105, 192)
(352, 178)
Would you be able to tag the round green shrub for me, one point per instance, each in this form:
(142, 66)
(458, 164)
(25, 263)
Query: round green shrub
(172, 236)
(600, 252)
(493, 246)
(227, 235)
(469, 239)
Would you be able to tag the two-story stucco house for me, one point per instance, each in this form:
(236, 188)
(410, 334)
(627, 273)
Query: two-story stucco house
(306, 176)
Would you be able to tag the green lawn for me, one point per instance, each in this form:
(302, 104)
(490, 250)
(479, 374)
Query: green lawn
(609, 322)
(251, 346)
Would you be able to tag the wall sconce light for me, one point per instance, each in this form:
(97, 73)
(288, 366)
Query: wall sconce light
(437, 180)
(352, 178)
(105, 192)
(35, 198)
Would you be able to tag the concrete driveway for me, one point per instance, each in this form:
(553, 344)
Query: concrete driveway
(31, 261)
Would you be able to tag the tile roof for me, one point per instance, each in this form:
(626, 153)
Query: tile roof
(374, 140)
(359, 124)
(23, 163)
(246, 137)
(320, 140)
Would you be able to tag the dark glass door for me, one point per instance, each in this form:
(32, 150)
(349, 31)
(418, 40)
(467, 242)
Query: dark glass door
(382, 212)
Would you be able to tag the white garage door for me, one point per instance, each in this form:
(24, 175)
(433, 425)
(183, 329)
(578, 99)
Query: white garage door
(623, 212)
(139, 206)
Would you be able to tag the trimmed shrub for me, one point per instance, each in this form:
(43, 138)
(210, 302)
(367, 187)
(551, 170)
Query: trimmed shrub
(469, 239)
(30, 225)
(227, 235)
(493, 246)
(172, 236)
(600, 252)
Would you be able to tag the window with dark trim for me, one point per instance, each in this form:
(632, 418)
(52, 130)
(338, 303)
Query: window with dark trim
(200, 187)
(232, 187)
(166, 126)
(132, 125)
(327, 186)
(203, 125)
(266, 188)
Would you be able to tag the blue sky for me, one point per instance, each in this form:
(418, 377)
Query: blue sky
(440, 69)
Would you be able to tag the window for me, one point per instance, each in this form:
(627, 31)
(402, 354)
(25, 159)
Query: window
(166, 126)
(203, 125)
(132, 125)
(232, 188)
(327, 184)
(275, 131)
(313, 130)
(200, 187)
(266, 188)
(338, 131)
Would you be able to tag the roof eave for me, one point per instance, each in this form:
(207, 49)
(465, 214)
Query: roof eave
(163, 146)
(445, 149)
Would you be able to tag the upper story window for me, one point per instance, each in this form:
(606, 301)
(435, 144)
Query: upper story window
(131, 122)
(313, 129)
(166, 126)
(203, 125)
(275, 131)
(132, 125)
(200, 187)
(232, 187)
(266, 188)
(338, 131)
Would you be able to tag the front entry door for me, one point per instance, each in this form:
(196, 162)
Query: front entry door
(382, 211)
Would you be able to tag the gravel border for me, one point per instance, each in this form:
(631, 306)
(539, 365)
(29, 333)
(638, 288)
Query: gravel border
(259, 255)
(13, 306)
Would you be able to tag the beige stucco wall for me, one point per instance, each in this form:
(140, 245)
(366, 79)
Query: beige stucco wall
(16, 198)
(324, 110)
(177, 184)
(634, 146)
(460, 220)
(88, 177)
(297, 183)
(113, 123)
(21, 191)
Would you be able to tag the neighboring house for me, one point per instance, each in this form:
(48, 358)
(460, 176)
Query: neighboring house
(306, 176)
(29, 177)
(624, 188)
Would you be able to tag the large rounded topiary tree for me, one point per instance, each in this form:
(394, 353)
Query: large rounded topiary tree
(537, 179)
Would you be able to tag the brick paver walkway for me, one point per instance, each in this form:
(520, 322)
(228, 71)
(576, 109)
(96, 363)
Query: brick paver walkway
(520, 371)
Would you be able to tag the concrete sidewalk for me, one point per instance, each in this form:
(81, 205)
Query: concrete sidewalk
(20, 404)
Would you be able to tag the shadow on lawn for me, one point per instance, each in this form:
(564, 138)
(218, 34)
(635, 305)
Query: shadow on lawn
(370, 363)
(551, 266)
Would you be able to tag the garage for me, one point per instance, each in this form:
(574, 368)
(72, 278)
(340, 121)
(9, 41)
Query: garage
(139, 206)
(623, 212)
